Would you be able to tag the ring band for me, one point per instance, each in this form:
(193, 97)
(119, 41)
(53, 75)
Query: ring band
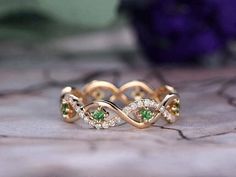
(98, 104)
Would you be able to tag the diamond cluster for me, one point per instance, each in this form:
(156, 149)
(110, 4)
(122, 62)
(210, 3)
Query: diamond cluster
(95, 119)
(169, 117)
(139, 104)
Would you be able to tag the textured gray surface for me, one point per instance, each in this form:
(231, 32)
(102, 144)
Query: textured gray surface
(35, 142)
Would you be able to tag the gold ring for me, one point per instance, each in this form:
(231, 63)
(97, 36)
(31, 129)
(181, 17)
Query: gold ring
(99, 104)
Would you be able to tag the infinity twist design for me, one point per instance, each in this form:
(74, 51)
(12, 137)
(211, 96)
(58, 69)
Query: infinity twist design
(95, 104)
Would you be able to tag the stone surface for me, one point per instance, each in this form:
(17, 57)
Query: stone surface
(35, 142)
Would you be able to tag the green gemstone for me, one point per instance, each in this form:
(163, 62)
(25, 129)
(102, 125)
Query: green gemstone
(64, 107)
(98, 115)
(177, 105)
(146, 114)
(175, 108)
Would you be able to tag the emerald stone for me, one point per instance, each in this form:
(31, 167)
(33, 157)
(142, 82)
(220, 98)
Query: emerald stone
(175, 108)
(64, 107)
(146, 114)
(98, 115)
(177, 104)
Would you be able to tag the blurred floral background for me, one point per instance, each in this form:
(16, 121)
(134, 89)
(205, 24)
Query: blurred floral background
(159, 32)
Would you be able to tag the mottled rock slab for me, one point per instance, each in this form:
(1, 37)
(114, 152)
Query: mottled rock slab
(35, 142)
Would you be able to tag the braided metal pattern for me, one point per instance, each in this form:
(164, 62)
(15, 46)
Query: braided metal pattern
(96, 104)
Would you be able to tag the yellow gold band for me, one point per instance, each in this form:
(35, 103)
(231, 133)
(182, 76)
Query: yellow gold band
(97, 104)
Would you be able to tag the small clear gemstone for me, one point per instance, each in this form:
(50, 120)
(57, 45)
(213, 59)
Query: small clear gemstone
(86, 119)
(170, 119)
(66, 97)
(165, 113)
(147, 102)
(152, 103)
(117, 120)
(81, 114)
(69, 99)
(156, 105)
(162, 109)
(77, 109)
(91, 123)
(112, 123)
(98, 126)
(127, 110)
(73, 104)
(140, 103)
(133, 106)
(105, 125)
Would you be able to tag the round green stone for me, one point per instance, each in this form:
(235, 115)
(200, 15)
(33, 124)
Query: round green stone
(175, 108)
(146, 114)
(98, 115)
(64, 107)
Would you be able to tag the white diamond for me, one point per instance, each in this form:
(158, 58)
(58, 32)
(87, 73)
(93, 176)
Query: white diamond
(86, 119)
(81, 114)
(162, 109)
(66, 97)
(73, 104)
(78, 109)
(140, 103)
(156, 105)
(147, 102)
(151, 104)
(69, 99)
(127, 110)
(170, 119)
(133, 106)
(105, 125)
(165, 113)
(98, 126)
(117, 120)
(91, 123)
(112, 123)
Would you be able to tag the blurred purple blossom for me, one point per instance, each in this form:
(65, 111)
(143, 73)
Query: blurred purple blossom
(181, 30)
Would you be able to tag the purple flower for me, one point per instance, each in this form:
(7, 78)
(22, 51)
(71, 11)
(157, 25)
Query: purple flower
(181, 30)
